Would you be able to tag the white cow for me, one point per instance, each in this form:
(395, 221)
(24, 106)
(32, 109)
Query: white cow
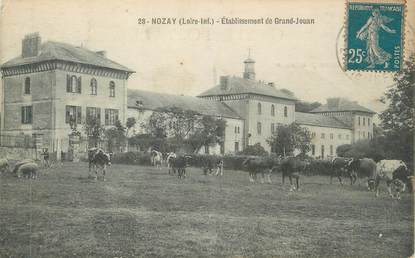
(385, 169)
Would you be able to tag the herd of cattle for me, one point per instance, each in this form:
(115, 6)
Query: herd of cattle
(395, 173)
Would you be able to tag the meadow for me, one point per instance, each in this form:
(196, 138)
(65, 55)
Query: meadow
(143, 211)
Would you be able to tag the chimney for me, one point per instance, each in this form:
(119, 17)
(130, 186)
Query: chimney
(271, 84)
(31, 45)
(224, 82)
(102, 53)
(333, 103)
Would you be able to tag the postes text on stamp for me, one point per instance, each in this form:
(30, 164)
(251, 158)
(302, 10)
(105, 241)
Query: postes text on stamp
(374, 35)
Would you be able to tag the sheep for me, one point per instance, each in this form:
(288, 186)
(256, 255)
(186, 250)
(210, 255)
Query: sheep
(4, 165)
(28, 170)
(21, 162)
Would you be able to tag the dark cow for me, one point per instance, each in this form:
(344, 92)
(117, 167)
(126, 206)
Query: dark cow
(97, 158)
(212, 162)
(179, 164)
(340, 168)
(262, 165)
(291, 167)
(363, 168)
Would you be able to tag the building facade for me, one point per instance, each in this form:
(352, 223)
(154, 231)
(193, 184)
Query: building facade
(53, 85)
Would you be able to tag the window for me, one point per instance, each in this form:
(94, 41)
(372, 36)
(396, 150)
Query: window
(323, 136)
(339, 136)
(236, 146)
(322, 151)
(347, 137)
(313, 134)
(259, 109)
(93, 113)
(112, 89)
(364, 134)
(364, 120)
(358, 120)
(27, 85)
(313, 149)
(236, 129)
(73, 84)
(272, 110)
(73, 114)
(272, 128)
(259, 128)
(94, 86)
(111, 116)
(331, 150)
(239, 129)
(331, 136)
(27, 115)
(285, 112)
(368, 121)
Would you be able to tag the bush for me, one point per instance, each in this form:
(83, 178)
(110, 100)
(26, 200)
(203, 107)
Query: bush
(254, 150)
(319, 167)
(132, 158)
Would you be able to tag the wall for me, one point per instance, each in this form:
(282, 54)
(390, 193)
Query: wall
(267, 119)
(40, 98)
(361, 130)
(14, 153)
(340, 136)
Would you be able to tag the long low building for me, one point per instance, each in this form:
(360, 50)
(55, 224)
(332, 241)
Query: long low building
(54, 86)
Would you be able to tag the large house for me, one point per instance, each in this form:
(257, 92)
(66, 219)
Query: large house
(53, 85)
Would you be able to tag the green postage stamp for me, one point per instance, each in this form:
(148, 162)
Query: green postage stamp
(375, 35)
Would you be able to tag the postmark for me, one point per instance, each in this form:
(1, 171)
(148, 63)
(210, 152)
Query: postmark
(374, 35)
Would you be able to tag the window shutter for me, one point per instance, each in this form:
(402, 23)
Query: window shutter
(99, 115)
(68, 83)
(78, 115)
(67, 115)
(106, 116)
(79, 85)
(29, 114)
(22, 115)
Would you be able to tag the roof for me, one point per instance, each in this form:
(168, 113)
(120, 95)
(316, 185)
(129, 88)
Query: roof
(237, 85)
(341, 104)
(153, 101)
(51, 50)
(319, 120)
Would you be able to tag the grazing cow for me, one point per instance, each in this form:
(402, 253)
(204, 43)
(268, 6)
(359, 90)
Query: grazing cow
(20, 163)
(364, 168)
(255, 165)
(101, 160)
(393, 173)
(292, 167)
(340, 168)
(211, 162)
(28, 170)
(156, 158)
(169, 159)
(180, 163)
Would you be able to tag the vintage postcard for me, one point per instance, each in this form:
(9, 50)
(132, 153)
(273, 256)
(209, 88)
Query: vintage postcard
(251, 128)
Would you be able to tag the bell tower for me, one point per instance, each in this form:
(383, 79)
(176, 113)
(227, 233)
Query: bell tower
(249, 72)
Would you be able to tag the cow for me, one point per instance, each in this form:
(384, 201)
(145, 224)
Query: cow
(4, 165)
(212, 162)
(156, 158)
(361, 168)
(292, 167)
(28, 170)
(340, 167)
(395, 173)
(179, 164)
(99, 159)
(262, 165)
(20, 163)
(169, 159)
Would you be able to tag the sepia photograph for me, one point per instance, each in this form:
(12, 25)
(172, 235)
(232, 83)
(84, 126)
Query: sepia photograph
(250, 128)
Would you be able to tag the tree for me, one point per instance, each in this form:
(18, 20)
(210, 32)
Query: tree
(254, 150)
(208, 132)
(93, 130)
(115, 135)
(303, 106)
(398, 118)
(287, 138)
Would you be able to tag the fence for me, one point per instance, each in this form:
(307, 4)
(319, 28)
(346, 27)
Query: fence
(18, 141)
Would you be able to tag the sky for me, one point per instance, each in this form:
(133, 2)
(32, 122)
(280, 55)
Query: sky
(189, 59)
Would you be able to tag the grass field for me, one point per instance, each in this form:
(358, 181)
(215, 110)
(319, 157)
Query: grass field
(141, 211)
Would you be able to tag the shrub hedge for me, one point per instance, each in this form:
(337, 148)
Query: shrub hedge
(231, 162)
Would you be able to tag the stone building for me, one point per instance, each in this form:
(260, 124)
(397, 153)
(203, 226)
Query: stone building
(52, 84)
